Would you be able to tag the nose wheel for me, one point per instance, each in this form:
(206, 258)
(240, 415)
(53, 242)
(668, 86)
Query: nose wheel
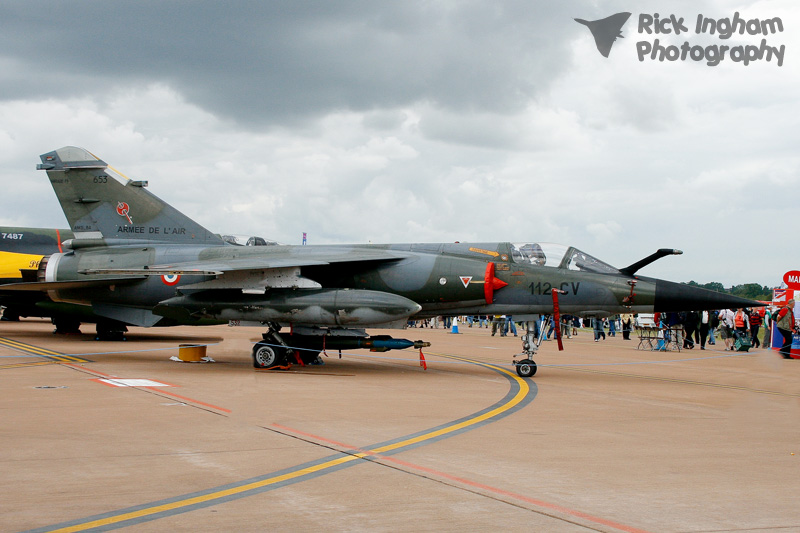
(530, 343)
(525, 368)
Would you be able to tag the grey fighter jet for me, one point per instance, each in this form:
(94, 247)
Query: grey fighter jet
(137, 260)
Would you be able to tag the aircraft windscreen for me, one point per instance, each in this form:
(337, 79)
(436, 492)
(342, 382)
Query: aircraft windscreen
(578, 260)
(538, 253)
(558, 255)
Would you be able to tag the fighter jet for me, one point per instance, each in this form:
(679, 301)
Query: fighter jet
(21, 251)
(137, 260)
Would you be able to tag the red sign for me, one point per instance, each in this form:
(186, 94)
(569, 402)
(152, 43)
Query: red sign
(792, 279)
(782, 296)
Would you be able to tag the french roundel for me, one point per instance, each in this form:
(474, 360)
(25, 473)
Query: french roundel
(170, 279)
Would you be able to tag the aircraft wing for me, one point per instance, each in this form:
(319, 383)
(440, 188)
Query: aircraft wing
(256, 272)
(216, 267)
(206, 268)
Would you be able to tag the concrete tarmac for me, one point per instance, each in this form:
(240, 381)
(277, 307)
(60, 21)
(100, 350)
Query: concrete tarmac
(104, 435)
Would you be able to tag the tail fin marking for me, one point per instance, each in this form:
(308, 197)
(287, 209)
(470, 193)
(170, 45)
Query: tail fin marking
(100, 204)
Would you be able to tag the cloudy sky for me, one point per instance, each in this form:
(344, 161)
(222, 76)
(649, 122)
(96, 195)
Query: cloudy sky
(419, 121)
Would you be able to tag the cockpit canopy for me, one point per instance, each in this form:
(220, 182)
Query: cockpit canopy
(244, 240)
(558, 256)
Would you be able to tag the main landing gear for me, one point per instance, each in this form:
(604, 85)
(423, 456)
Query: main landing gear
(272, 352)
(66, 325)
(110, 331)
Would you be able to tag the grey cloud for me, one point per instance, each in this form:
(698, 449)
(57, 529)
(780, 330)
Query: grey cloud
(267, 62)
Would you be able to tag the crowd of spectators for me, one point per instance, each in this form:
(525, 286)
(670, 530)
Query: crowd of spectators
(759, 326)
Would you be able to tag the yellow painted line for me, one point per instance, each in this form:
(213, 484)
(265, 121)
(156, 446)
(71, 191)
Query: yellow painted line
(35, 350)
(22, 365)
(209, 497)
(523, 391)
(70, 359)
(521, 394)
(28, 348)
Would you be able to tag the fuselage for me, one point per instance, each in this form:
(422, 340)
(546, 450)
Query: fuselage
(441, 279)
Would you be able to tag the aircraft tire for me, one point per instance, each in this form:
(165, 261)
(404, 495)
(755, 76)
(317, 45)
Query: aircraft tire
(9, 315)
(526, 368)
(110, 332)
(266, 356)
(66, 325)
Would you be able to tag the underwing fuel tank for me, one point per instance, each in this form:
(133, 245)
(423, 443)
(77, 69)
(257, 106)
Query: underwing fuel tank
(322, 307)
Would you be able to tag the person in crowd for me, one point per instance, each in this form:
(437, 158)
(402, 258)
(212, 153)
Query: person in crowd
(713, 324)
(755, 325)
(498, 322)
(551, 328)
(599, 331)
(663, 332)
(627, 325)
(690, 329)
(705, 326)
(785, 322)
(695, 318)
(726, 328)
(566, 331)
(741, 324)
(612, 326)
(509, 326)
(768, 326)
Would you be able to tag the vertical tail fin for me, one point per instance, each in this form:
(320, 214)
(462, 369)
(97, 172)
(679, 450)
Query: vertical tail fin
(102, 205)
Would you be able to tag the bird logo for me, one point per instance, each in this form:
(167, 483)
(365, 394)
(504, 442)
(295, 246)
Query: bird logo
(606, 31)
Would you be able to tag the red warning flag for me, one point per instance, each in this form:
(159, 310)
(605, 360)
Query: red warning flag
(557, 317)
(422, 362)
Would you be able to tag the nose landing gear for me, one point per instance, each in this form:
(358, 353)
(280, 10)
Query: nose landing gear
(526, 367)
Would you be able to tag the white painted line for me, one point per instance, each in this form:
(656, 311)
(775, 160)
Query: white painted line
(116, 382)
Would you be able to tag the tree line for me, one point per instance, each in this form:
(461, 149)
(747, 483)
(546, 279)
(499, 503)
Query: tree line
(753, 291)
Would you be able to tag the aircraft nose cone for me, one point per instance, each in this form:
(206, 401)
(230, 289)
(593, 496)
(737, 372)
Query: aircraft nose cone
(672, 297)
